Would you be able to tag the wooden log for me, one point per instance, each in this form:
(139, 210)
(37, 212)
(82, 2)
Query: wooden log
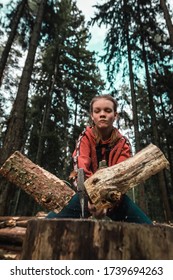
(11, 247)
(107, 185)
(10, 253)
(96, 240)
(47, 190)
(20, 221)
(15, 218)
(13, 235)
(11, 241)
(104, 188)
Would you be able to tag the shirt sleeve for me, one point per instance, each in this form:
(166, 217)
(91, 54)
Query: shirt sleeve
(125, 153)
(82, 157)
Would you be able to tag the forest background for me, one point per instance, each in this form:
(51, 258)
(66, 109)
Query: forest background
(48, 76)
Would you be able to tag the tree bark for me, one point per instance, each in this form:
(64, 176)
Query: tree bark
(14, 134)
(47, 190)
(14, 24)
(167, 17)
(11, 241)
(96, 240)
(13, 221)
(104, 188)
(106, 185)
(13, 139)
(12, 235)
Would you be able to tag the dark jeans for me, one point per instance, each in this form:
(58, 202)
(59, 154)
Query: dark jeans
(127, 211)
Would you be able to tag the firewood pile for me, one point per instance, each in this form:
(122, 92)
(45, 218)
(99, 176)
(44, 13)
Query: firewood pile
(12, 234)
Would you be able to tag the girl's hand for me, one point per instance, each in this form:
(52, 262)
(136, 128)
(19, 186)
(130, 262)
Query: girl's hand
(98, 214)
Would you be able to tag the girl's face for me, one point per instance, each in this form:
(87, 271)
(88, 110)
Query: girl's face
(103, 114)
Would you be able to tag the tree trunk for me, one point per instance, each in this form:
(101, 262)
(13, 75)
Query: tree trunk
(96, 240)
(142, 197)
(168, 20)
(14, 135)
(14, 24)
(44, 124)
(47, 190)
(104, 187)
(154, 124)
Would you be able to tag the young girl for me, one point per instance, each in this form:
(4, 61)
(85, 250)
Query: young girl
(102, 141)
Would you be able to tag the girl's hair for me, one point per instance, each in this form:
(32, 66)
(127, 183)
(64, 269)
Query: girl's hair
(104, 96)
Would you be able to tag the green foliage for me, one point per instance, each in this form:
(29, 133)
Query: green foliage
(66, 76)
(138, 45)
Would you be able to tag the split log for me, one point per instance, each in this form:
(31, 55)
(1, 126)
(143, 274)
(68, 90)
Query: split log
(46, 189)
(106, 186)
(96, 240)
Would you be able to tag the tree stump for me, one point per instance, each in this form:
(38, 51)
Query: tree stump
(80, 239)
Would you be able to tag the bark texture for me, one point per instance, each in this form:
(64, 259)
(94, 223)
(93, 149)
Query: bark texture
(106, 185)
(12, 234)
(96, 240)
(47, 190)
(104, 188)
